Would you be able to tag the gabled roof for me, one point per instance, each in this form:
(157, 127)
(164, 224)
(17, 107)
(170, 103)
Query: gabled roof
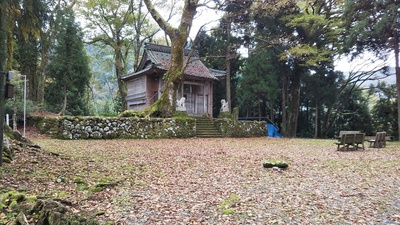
(158, 58)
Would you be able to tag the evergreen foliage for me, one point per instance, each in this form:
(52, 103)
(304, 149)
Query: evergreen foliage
(30, 19)
(259, 82)
(212, 50)
(3, 34)
(356, 115)
(319, 93)
(370, 25)
(384, 111)
(69, 74)
(374, 26)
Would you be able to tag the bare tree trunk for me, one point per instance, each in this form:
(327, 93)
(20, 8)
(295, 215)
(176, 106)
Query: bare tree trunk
(120, 70)
(271, 111)
(10, 39)
(138, 29)
(43, 67)
(316, 119)
(259, 108)
(47, 40)
(294, 102)
(3, 61)
(228, 64)
(284, 97)
(14, 118)
(64, 108)
(396, 56)
(165, 106)
(139, 39)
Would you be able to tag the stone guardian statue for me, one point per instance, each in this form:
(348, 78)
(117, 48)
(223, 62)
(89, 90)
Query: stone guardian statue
(224, 106)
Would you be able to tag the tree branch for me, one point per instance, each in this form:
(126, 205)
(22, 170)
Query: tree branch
(164, 25)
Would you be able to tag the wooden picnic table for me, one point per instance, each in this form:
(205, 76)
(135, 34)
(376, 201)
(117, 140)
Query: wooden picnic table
(349, 139)
(347, 132)
(355, 139)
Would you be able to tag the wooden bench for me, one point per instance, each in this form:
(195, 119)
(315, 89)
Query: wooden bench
(347, 132)
(359, 140)
(346, 140)
(356, 140)
(379, 141)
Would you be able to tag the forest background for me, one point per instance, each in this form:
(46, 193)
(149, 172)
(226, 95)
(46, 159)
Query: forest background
(288, 75)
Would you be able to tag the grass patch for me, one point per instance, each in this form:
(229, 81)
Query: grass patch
(228, 205)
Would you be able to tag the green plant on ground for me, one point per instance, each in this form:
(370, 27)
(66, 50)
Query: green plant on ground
(62, 194)
(11, 199)
(227, 205)
(103, 184)
(6, 218)
(275, 163)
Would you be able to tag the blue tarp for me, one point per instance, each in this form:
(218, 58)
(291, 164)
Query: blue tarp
(273, 131)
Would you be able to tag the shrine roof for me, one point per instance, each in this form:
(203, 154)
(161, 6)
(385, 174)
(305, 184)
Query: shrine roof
(159, 57)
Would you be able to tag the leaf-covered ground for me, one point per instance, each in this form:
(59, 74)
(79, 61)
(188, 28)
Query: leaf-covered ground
(213, 181)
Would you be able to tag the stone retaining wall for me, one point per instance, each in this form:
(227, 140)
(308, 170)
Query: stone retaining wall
(116, 127)
(232, 128)
(139, 128)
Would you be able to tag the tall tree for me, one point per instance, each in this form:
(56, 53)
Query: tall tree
(30, 36)
(308, 31)
(319, 93)
(317, 29)
(384, 110)
(3, 58)
(269, 27)
(373, 25)
(113, 19)
(212, 49)
(121, 25)
(50, 21)
(25, 24)
(356, 115)
(259, 81)
(69, 73)
(165, 105)
(3, 34)
(236, 13)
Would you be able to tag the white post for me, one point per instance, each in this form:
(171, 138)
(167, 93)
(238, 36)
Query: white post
(7, 119)
(24, 103)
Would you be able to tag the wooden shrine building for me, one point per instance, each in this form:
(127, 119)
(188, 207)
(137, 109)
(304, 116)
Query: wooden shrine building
(145, 85)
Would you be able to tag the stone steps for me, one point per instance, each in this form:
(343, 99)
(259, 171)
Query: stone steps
(205, 128)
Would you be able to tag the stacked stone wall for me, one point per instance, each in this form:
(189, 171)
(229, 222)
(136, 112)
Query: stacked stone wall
(139, 128)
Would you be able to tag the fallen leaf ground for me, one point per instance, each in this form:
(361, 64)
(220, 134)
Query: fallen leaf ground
(213, 181)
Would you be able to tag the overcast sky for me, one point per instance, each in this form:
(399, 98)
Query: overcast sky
(362, 63)
(210, 19)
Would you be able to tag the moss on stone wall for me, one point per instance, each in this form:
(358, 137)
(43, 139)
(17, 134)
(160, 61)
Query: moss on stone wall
(232, 128)
(22, 207)
(46, 125)
(140, 128)
(116, 127)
